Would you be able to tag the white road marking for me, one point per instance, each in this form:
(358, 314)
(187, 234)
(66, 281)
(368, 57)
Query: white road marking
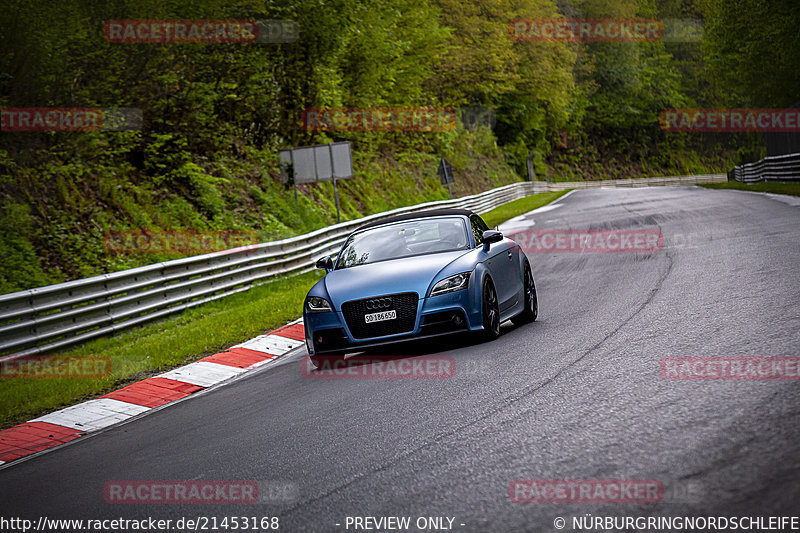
(547, 207)
(520, 222)
(793, 201)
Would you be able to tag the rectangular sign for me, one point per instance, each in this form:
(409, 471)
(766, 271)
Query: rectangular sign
(305, 169)
(312, 164)
(342, 160)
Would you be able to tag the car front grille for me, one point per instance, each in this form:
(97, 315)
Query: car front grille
(405, 304)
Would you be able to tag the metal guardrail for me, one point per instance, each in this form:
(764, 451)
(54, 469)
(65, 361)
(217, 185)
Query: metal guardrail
(772, 168)
(636, 182)
(57, 316)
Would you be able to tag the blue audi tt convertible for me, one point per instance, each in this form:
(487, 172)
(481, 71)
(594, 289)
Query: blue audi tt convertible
(417, 275)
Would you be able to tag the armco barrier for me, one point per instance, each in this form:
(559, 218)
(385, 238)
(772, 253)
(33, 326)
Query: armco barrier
(772, 168)
(62, 315)
(636, 182)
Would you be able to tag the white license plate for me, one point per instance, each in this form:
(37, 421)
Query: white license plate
(380, 317)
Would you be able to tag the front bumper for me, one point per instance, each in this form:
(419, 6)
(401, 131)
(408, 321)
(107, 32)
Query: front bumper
(438, 315)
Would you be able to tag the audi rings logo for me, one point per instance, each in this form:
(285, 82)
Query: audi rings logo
(377, 304)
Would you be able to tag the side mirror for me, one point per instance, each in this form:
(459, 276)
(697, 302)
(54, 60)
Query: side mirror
(325, 263)
(490, 236)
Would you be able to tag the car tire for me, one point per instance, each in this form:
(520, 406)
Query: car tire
(491, 312)
(327, 360)
(531, 309)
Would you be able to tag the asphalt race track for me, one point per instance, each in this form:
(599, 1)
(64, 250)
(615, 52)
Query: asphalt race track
(578, 395)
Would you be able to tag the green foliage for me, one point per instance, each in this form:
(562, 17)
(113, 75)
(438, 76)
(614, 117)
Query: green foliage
(216, 114)
(753, 51)
(19, 264)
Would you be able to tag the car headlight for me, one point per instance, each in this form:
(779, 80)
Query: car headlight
(450, 284)
(315, 304)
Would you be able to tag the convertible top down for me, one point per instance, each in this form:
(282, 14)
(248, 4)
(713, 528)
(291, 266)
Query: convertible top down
(417, 275)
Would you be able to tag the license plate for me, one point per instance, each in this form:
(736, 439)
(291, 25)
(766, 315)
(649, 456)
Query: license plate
(380, 317)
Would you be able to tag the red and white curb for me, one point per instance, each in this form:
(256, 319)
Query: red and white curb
(76, 421)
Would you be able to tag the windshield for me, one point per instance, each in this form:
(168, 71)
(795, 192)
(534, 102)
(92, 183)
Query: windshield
(404, 239)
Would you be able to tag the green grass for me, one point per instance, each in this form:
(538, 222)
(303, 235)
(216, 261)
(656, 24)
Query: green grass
(196, 333)
(47, 237)
(519, 207)
(154, 348)
(764, 186)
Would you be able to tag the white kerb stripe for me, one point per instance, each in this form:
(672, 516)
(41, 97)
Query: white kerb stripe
(544, 208)
(93, 415)
(203, 373)
(272, 344)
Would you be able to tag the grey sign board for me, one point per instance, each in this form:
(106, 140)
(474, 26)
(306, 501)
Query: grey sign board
(312, 164)
(342, 160)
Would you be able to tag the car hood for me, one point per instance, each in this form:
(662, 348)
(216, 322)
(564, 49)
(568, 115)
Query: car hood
(410, 274)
